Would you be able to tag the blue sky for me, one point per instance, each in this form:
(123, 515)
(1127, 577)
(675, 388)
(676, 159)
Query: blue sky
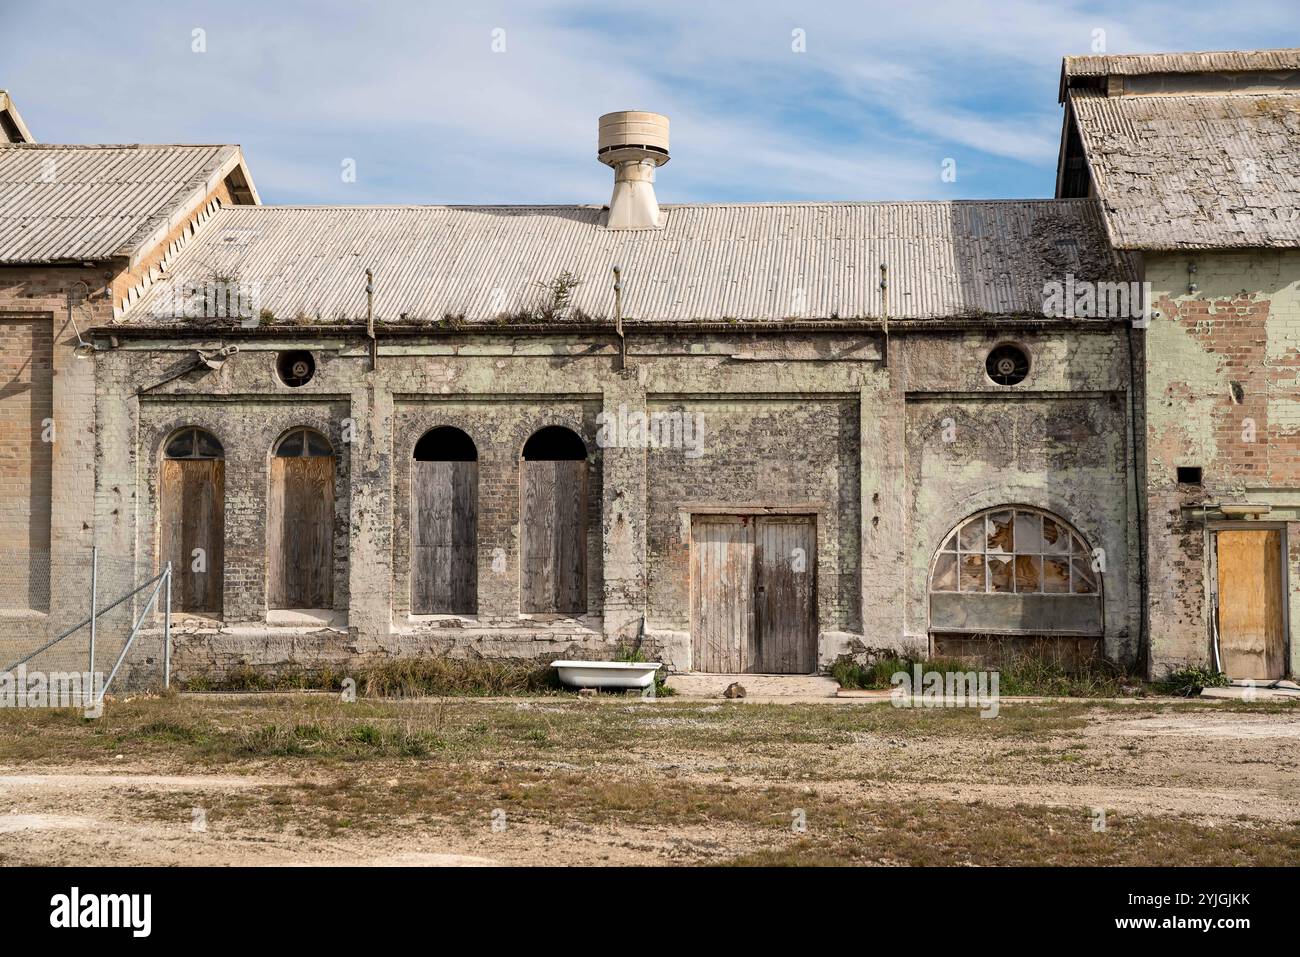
(415, 94)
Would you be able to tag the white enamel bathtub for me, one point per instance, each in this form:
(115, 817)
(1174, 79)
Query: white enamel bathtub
(607, 674)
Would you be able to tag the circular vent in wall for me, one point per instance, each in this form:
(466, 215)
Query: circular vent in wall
(1007, 365)
(295, 368)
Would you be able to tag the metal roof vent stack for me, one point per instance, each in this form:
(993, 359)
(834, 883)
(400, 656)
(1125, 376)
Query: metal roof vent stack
(634, 144)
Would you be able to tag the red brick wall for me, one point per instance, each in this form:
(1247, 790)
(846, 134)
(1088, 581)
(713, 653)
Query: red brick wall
(26, 459)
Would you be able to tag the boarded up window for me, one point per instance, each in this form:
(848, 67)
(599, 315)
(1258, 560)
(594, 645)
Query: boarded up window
(1015, 570)
(553, 519)
(300, 523)
(192, 532)
(444, 524)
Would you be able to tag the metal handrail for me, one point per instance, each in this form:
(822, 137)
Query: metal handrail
(163, 578)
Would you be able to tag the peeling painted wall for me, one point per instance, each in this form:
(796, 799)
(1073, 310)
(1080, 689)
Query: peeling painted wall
(1241, 325)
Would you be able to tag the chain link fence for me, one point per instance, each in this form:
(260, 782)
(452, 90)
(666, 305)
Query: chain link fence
(99, 617)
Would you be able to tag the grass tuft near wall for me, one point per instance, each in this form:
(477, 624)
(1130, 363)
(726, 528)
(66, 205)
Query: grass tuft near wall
(1018, 674)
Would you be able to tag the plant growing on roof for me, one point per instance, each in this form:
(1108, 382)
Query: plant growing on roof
(557, 295)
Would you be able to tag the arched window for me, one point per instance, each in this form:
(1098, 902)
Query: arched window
(300, 523)
(444, 524)
(192, 524)
(1016, 570)
(553, 519)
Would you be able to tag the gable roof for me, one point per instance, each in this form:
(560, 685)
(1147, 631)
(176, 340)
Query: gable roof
(1194, 171)
(726, 262)
(91, 203)
(12, 127)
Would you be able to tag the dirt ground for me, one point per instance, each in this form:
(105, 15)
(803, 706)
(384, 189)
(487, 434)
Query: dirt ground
(309, 780)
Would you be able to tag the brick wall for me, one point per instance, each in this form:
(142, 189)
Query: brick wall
(27, 437)
(1224, 395)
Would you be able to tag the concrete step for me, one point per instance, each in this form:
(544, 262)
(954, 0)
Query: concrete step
(696, 685)
(1261, 692)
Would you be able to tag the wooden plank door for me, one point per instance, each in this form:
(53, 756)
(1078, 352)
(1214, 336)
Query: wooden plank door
(444, 543)
(1251, 636)
(553, 529)
(300, 533)
(193, 499)
(785, 595)
(722, 593)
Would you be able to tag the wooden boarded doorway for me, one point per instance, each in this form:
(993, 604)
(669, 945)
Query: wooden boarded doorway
(1251, 620)
(753, 594)
(192, 526)
(553, 523)
(300, 523)
(444, 524)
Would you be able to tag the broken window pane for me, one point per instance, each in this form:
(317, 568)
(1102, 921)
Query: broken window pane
(1055, 538)
(182, 446)
(1001, 536)
(317, 444)
(951, 544)
(1056, 575)
(291, 447)
(1029, 532)
(1085, 579)
(972, 535)
(207, 447)
(972, 573)
(1000, 574)
(1028, 573)
(945, 572)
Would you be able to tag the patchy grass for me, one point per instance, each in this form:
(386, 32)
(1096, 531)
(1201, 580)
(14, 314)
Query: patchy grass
(1018, 674)
(947, 833)
(1189, 682)
(714, 781)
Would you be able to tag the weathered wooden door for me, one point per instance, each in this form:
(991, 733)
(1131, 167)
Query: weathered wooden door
(300, 533)
(444, 526)
(553, 516)
(785, 620)
(193, 531)
(1251, 635)
(753, 594)
(722, 593)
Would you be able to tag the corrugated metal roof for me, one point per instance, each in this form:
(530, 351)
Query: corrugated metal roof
(708, 262)
(60, 203)
(1224, 61)
(1195, 172)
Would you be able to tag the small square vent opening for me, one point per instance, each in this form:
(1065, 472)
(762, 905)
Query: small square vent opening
(1189, 475)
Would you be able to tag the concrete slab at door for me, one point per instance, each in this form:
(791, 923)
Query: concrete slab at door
(1251, 632)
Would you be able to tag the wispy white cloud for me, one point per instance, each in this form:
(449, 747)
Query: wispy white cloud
(416, 95)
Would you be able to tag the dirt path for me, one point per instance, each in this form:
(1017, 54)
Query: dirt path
(1203, 767)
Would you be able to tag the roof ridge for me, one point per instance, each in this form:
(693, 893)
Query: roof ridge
(1049, 200)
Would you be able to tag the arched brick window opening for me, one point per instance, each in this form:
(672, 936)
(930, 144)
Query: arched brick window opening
(444, 524)
(300, 523)
(1017, 571)
(553, 520)
(192, 500)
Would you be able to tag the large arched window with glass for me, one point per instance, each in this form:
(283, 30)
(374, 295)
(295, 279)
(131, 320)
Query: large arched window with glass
(192, 499)
(1016, 570)
(444, 524)
(553, 519)
(300, 523)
